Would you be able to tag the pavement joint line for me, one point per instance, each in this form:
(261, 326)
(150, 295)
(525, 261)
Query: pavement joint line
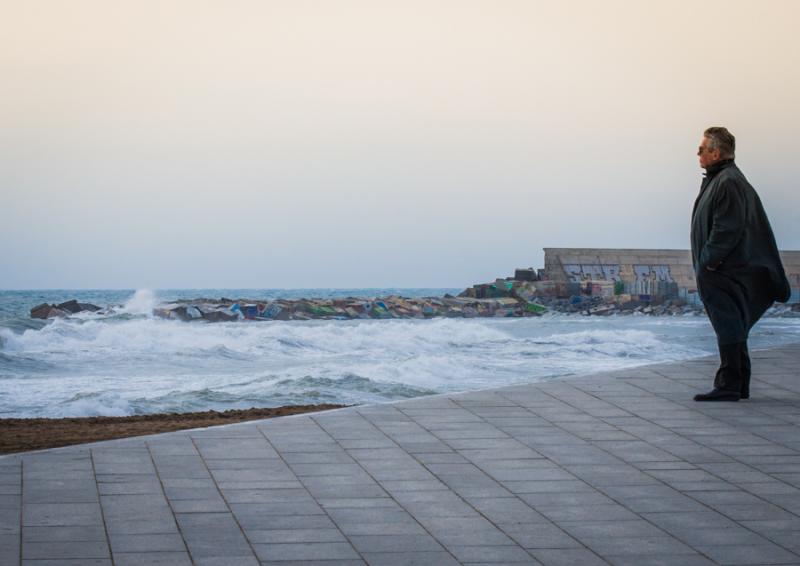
(423, 527)
(224, 499)
(299, 479)
(406, 509)
(21, 507)
(169, 504)
(515, 496)
(100, 505)
(688, 494)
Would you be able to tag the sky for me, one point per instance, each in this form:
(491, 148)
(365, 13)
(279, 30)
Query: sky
(369, 143)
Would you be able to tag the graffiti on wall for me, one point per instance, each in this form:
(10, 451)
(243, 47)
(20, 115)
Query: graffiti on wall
(652, 273)
(646, 280)
(653, 280)
(576, 273)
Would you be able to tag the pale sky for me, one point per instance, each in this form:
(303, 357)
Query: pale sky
(350, 143)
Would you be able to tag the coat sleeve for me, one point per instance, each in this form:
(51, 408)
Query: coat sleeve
(728, 224)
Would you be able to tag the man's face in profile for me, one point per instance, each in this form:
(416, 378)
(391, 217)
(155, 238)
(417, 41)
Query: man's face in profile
(707, 156)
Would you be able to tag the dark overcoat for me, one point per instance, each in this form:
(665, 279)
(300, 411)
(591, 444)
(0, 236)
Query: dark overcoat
(736, 261)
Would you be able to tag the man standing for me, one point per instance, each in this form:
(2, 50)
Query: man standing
(736, 262)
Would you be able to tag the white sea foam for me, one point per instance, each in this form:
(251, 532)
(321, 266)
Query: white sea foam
(142, 303)
(138, 364)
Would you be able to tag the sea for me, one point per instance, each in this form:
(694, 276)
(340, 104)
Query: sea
(127, 362)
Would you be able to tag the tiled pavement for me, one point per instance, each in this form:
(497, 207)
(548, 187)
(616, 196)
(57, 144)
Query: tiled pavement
(619, 468)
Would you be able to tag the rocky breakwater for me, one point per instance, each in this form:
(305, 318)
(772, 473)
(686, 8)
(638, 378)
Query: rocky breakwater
(593, 299)
(224, 310)
(64, 309)
(503, 298)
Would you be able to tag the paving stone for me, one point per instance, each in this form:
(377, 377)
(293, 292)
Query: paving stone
(372, 514)
(566, 513)
(9, 521)
(340, 457)
(612, 530)
(395, 543)
(506, 511)
(275, 536)
(567, 557)
(199, 506)
(409, 558)
(694, 520)
(540, 535)
(157, 543)
(69, 562)
(54, 534)
(61, 514)
(356, 528)
(163, 525)
(229, 561)
(492, 554)
(267, 509)
(464, 531)
(355, 490)
(455, 507)
(448, 457)
(549, 499)
(548, 487)
(660, 560)
(734, 536)
(38, 550)
(129, 488)
(9, 549)
(398, 486)
(358, 502)
(610, 475)
(637, 546)
(754, 512)
(207, 546)
(305, 551)
(745, 554)
(212, 525)
(662, 504)
(152, 559)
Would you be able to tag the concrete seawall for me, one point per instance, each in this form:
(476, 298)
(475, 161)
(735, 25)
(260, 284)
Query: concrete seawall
(640, 267)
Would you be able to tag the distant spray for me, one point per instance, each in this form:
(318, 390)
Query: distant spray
(142, 303)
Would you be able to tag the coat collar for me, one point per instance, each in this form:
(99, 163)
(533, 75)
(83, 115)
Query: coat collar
(712, 171)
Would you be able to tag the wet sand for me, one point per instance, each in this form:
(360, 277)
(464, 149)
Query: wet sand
(21, 435)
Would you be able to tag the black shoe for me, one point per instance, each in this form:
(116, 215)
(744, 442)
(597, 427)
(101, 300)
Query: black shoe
(744, 394)
(718, 395)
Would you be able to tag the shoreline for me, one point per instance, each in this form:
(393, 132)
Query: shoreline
(28, 434)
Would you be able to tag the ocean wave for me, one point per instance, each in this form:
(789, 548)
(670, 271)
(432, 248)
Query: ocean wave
(352, 382)
(92, 404)
(140, 364)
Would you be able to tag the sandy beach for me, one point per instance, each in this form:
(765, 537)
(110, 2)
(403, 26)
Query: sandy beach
(22, 435)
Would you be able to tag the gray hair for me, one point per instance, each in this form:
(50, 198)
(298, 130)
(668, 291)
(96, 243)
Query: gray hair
(720, 138)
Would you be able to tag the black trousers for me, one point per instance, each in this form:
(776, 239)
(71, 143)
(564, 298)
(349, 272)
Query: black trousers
(734, 368)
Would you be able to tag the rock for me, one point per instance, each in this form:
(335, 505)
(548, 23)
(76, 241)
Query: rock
(535, 309)
(220, 315)
(67, 308)
(528, 274)
(72, 306)
(192, 312)
(41, 311)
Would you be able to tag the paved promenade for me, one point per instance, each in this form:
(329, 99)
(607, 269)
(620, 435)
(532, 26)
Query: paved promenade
(620, 468)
